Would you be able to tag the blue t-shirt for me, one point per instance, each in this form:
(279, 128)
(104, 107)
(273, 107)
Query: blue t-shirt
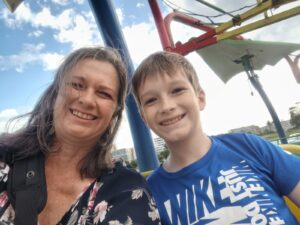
(240, 180)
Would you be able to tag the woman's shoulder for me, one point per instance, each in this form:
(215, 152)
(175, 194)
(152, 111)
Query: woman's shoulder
(123, 176)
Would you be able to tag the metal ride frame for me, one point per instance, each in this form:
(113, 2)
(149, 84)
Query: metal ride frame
(214, 34)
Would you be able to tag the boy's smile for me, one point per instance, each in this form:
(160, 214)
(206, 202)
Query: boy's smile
(170, 106)
(171, 121)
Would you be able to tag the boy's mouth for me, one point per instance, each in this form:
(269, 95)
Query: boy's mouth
(172, 120)
(82, 115)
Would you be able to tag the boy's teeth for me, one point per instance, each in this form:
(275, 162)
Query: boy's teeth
(171, 121)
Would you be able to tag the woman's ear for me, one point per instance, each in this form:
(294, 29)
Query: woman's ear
(201, 99)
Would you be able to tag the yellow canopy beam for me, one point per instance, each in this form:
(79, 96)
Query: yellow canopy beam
(255, 25)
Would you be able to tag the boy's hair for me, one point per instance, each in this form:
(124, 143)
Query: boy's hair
(161, 63)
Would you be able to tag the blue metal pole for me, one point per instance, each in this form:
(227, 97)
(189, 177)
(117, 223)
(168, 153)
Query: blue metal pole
(112, 35)
(245, 60)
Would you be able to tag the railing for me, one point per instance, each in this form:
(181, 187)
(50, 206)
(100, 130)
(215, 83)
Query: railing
(292, 139)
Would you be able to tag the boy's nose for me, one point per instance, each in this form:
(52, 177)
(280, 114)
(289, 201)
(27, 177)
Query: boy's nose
(167, 105)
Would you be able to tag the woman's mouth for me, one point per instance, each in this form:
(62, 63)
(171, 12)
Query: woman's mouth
(82, 115)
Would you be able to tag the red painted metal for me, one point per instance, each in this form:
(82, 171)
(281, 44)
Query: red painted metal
(163, 27)
(162, 31)
(187, 20)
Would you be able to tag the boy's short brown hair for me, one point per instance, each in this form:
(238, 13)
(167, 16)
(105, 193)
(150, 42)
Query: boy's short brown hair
(163, 62)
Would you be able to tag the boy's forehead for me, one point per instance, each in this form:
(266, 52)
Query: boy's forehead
(163, 75)
(152, 78)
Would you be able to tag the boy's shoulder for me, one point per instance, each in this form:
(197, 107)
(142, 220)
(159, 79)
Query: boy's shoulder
(154, 175)
(244, 142)
(237, 137)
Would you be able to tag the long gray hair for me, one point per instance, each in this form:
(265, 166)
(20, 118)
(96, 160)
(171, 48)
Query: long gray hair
(38, 133)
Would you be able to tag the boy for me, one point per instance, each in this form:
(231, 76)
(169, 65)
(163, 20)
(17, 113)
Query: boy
(225, 179)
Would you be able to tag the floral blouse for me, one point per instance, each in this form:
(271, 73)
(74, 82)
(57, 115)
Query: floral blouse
(118, 197)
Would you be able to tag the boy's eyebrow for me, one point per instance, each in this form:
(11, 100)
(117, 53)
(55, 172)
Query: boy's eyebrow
(146, 93)
(154, 90)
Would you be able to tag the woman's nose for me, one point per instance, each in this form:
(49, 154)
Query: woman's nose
(86, 97)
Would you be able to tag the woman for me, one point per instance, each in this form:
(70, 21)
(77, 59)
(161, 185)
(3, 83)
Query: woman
(73, 126)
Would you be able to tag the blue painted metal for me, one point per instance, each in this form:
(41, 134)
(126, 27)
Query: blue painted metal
(112, 35)
(246, 62)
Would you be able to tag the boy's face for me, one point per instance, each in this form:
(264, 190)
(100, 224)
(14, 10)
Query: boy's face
(170, 106)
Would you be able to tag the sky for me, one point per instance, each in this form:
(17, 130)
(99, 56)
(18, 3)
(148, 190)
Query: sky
(35, 38)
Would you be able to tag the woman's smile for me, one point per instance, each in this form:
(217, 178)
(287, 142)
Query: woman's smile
(82, 115)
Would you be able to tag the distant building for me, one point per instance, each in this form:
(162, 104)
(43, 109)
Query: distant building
(126, 154)
(159, 145)
(249, 129)
(286, 125)
(260, 130)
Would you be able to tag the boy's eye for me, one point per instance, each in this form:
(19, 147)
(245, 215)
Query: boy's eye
(149, 101)
(178, 90)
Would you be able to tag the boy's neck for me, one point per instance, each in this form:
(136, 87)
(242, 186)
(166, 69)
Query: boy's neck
(185, 153)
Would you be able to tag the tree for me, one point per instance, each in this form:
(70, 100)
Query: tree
(163, 155)
(133, 164)
(269, 126)
(295, 119)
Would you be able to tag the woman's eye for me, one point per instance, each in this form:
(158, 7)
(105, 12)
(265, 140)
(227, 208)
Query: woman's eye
(76, 85)
(104, 94)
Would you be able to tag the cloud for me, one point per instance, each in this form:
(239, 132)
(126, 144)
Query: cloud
(5, 115)
(61, 2)
(81, 33)
(66, 2)
(36, 33)
(29, 55)
(139, 39)
(80, 2)
(19, 61)
(140, 5)
(120, 15)
(51, 60)
(17, 19)
(67, 26)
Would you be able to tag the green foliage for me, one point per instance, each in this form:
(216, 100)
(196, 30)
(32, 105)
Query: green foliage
(133, 164)
(295, 120)
(162, 156)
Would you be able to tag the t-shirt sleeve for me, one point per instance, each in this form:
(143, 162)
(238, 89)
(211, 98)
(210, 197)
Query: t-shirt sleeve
(284, 166)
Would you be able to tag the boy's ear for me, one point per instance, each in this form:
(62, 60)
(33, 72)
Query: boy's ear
(201, 99)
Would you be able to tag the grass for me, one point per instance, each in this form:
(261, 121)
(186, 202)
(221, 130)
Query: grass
(274, 136)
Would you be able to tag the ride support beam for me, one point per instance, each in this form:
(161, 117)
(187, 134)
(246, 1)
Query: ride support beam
(246, 62)
(112, 35)
(213, 34)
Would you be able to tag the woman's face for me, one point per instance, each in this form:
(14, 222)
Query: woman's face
(87, 102)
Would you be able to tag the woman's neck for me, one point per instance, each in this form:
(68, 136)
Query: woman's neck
(66, 155)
